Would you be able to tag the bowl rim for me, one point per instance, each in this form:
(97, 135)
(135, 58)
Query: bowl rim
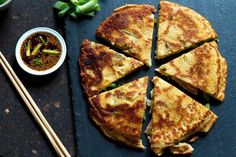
(5, 3)
(38, 30)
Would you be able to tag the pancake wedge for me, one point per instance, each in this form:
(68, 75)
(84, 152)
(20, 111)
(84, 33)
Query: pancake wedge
(202, 68)
(175, 117)
(119, 112)
(180, 28)
(130, 28)
(100, 66)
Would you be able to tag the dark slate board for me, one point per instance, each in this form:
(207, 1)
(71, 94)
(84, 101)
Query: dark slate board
(219, 142)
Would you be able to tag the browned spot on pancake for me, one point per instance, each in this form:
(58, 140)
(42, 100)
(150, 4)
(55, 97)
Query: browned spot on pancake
(177, 68)
(166, 14)
(166, 8)
(156, 90)
(156, 136)
(130, 94)
(118, 93)
(160, 104)
(136, 32)
(108, 94)
(187, 24)
(114, 22)
(167, 88)
(127, 110)
(125, 121)
(198, 71)
(133, 85)
(163, 122)
(173, 46)
(95, 61)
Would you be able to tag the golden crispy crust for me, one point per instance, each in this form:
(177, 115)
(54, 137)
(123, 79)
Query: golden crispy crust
(130, 29)
(202, 68)
(119, 112)
(100, 66)
(180, 28)
(175, 117)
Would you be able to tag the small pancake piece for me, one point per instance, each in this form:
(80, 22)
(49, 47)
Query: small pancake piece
(202, 68)
(119, 112)
(130, 28)
(100, 66)
(181, 149)
(175, 117)
(180, 28)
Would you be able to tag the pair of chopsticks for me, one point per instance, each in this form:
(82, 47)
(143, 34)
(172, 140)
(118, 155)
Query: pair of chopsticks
(35, 111)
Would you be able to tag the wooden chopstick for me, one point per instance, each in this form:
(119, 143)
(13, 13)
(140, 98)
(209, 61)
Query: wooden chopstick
(31, 109)
(37, 114)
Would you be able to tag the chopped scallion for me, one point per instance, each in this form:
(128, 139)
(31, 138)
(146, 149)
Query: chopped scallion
(50, 52)
(87, 7)
(28, 48)
(60, 5)
(90, 13)
(81, 2)
(42, 40)
(36, 49)
(37, 61)
(77, 7)
(144, 116)
(208, 105)
(113, 85)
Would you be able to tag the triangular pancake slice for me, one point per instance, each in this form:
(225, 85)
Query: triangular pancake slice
(202, 68)
(130, 28)
(180, 28)
(100, 66)
(175, 117)
(119, 112)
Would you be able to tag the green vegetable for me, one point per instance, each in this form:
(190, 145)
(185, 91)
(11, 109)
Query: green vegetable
(185, 58)
(76, 8)
(36, 49)
(42, 40)
(63, 7)
(113, 85)
(50, 52)
(74, 15)
(64, 11)
(208, 105)
(87, 7)
(81, 2)
(90, 13)
(28, 47)
(60, 5)
(144, 116)
(2, 1)
(37, 61)
(75, 2)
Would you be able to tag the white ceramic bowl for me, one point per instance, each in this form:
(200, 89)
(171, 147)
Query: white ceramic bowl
(42, 30)
(5, 5)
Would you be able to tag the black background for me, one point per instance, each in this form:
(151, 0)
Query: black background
(219, 142)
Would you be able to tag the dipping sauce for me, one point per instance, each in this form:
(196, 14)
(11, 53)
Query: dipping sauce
(41, 51)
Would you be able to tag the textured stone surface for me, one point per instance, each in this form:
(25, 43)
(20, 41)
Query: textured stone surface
(221, 140)
(19, 133)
